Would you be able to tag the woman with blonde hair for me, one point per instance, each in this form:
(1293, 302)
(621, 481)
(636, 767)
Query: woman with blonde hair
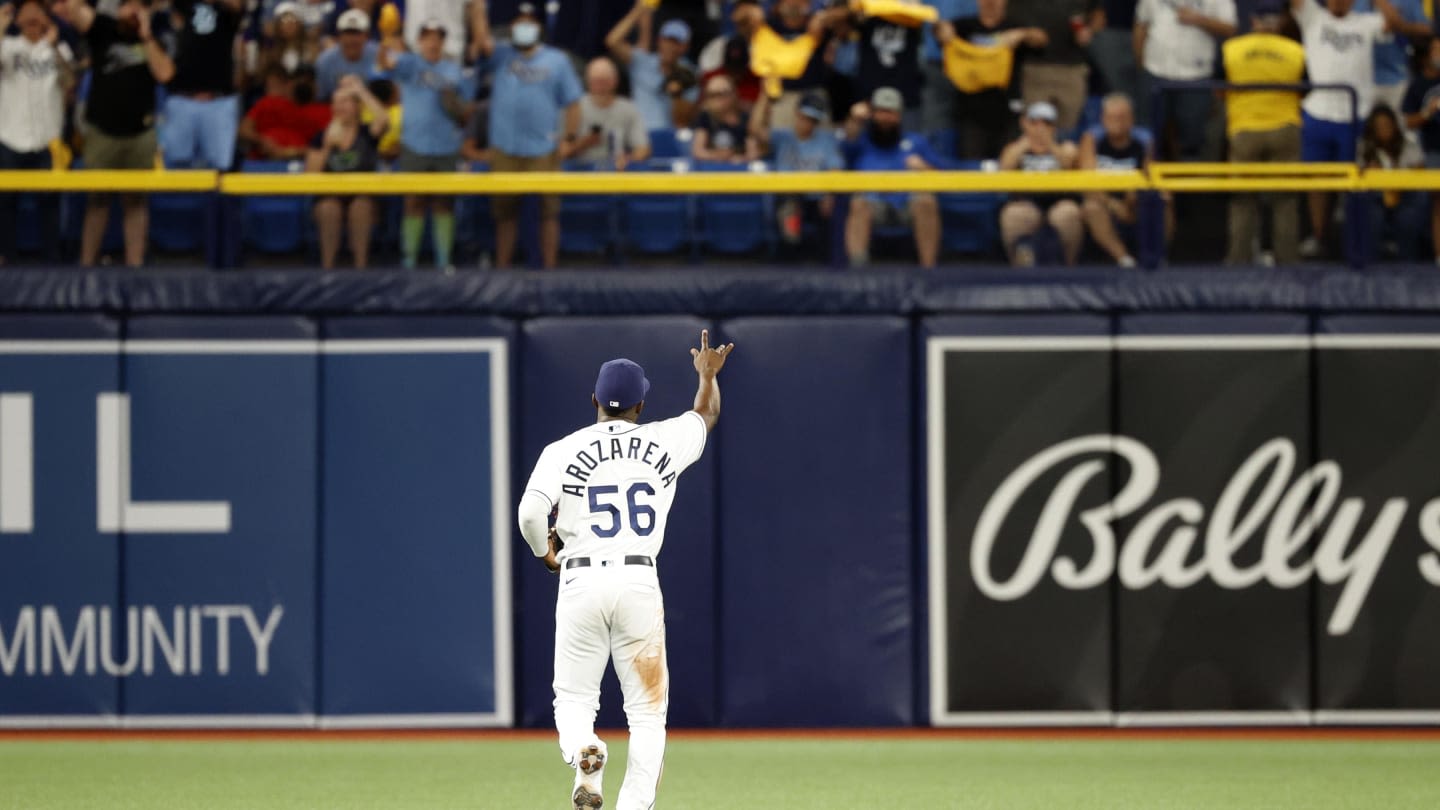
(348, 145)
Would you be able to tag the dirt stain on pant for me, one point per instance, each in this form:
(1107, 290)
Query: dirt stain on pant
(650, 665)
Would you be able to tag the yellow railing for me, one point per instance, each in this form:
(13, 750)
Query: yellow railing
(1170, 177)
(105, 180)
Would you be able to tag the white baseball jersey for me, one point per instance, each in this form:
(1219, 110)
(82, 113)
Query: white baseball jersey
(1339, 50)
(615, 481)
(31, 93)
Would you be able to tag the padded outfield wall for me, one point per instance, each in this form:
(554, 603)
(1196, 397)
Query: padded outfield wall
(969, 498)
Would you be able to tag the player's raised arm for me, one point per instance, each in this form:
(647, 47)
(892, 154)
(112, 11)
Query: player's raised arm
(708, 363)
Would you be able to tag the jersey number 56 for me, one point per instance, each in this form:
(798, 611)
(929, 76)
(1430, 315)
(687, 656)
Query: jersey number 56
(641, 517)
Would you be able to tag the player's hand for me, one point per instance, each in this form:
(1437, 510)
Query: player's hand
(709, 361)
(555, 544)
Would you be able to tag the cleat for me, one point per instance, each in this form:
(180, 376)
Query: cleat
(589, 764)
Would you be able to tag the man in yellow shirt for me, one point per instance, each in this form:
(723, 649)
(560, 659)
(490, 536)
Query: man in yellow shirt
(1264, 127)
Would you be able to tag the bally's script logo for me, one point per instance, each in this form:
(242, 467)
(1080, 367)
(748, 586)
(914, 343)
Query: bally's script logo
(40, 641)
(1264, 502)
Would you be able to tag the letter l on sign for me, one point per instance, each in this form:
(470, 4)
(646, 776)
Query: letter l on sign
(115, 512)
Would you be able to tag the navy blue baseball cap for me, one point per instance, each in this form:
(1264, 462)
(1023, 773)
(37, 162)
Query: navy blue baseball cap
(621, 384)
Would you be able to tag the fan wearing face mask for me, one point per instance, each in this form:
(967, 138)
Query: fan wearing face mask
(534, 110)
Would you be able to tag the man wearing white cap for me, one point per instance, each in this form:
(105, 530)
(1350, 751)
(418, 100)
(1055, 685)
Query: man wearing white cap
(449, 14)
(352, 54)
(662, 82)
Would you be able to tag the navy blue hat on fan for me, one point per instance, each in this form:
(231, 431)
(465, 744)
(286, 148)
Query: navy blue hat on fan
(621, 384)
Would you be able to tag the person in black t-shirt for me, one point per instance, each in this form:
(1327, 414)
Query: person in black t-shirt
(722, 129)
(347, 145)
(986, 121)
(889, 57)
(202, 112)
(1113, 146)
(1421, 108)
(127, 63)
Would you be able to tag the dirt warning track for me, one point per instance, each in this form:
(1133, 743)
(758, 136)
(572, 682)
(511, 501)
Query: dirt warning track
(1426, 734)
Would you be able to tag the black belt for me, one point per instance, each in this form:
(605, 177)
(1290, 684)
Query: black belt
(632, 559)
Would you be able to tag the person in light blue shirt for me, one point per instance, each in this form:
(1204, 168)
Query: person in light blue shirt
(810, 147)
(435, 92)
(353, 54)
(1391, 54)
(662, 82)
(534, 104)
(876, 142)
(939, 100)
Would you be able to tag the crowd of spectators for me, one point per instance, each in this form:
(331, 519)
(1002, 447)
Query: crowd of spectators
(804, 85)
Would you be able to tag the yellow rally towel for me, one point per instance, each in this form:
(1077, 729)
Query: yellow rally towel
(900, 12)
(972, 68)
(60, 155)
(774, 58)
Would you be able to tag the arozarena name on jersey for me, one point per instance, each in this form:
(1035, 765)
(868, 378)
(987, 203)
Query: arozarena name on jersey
(182, 643)
(615, 448)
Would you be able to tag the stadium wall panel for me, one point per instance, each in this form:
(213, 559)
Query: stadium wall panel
(349, 448)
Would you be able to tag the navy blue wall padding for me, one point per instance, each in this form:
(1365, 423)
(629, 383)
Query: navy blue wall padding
(59, 327)
(64, 563)
(1214, 324)
(716, 292)
(961, 326)
(408, 584)
(556, 380)
(1378, 325)
(240, 428)
(817, 621)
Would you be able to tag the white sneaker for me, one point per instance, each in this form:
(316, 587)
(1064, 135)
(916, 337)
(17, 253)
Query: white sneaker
(1126, 262)
(1310, 248)
(589, 773)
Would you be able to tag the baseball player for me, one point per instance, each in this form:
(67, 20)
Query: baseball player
(610, 486)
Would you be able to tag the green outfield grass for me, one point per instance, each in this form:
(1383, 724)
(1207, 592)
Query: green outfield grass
(890, 774)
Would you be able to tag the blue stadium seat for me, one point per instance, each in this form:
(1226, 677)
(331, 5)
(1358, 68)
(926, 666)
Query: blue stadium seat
(655, 223)
(945, 142)
(732, 224)
(588, 223)
(177, 222)
(970, 223)
(27, 224)
(274, 225)
(664, 144)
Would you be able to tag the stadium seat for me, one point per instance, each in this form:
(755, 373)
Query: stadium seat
(970, 223)
(945, 142)
(177, 222)
(655, 223)
(664, 144)
(732, 224)
(588, 223)
(273, 225)
(27, 224)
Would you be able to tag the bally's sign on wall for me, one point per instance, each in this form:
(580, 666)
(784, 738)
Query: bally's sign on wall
(277, 532)
(1205, 529)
